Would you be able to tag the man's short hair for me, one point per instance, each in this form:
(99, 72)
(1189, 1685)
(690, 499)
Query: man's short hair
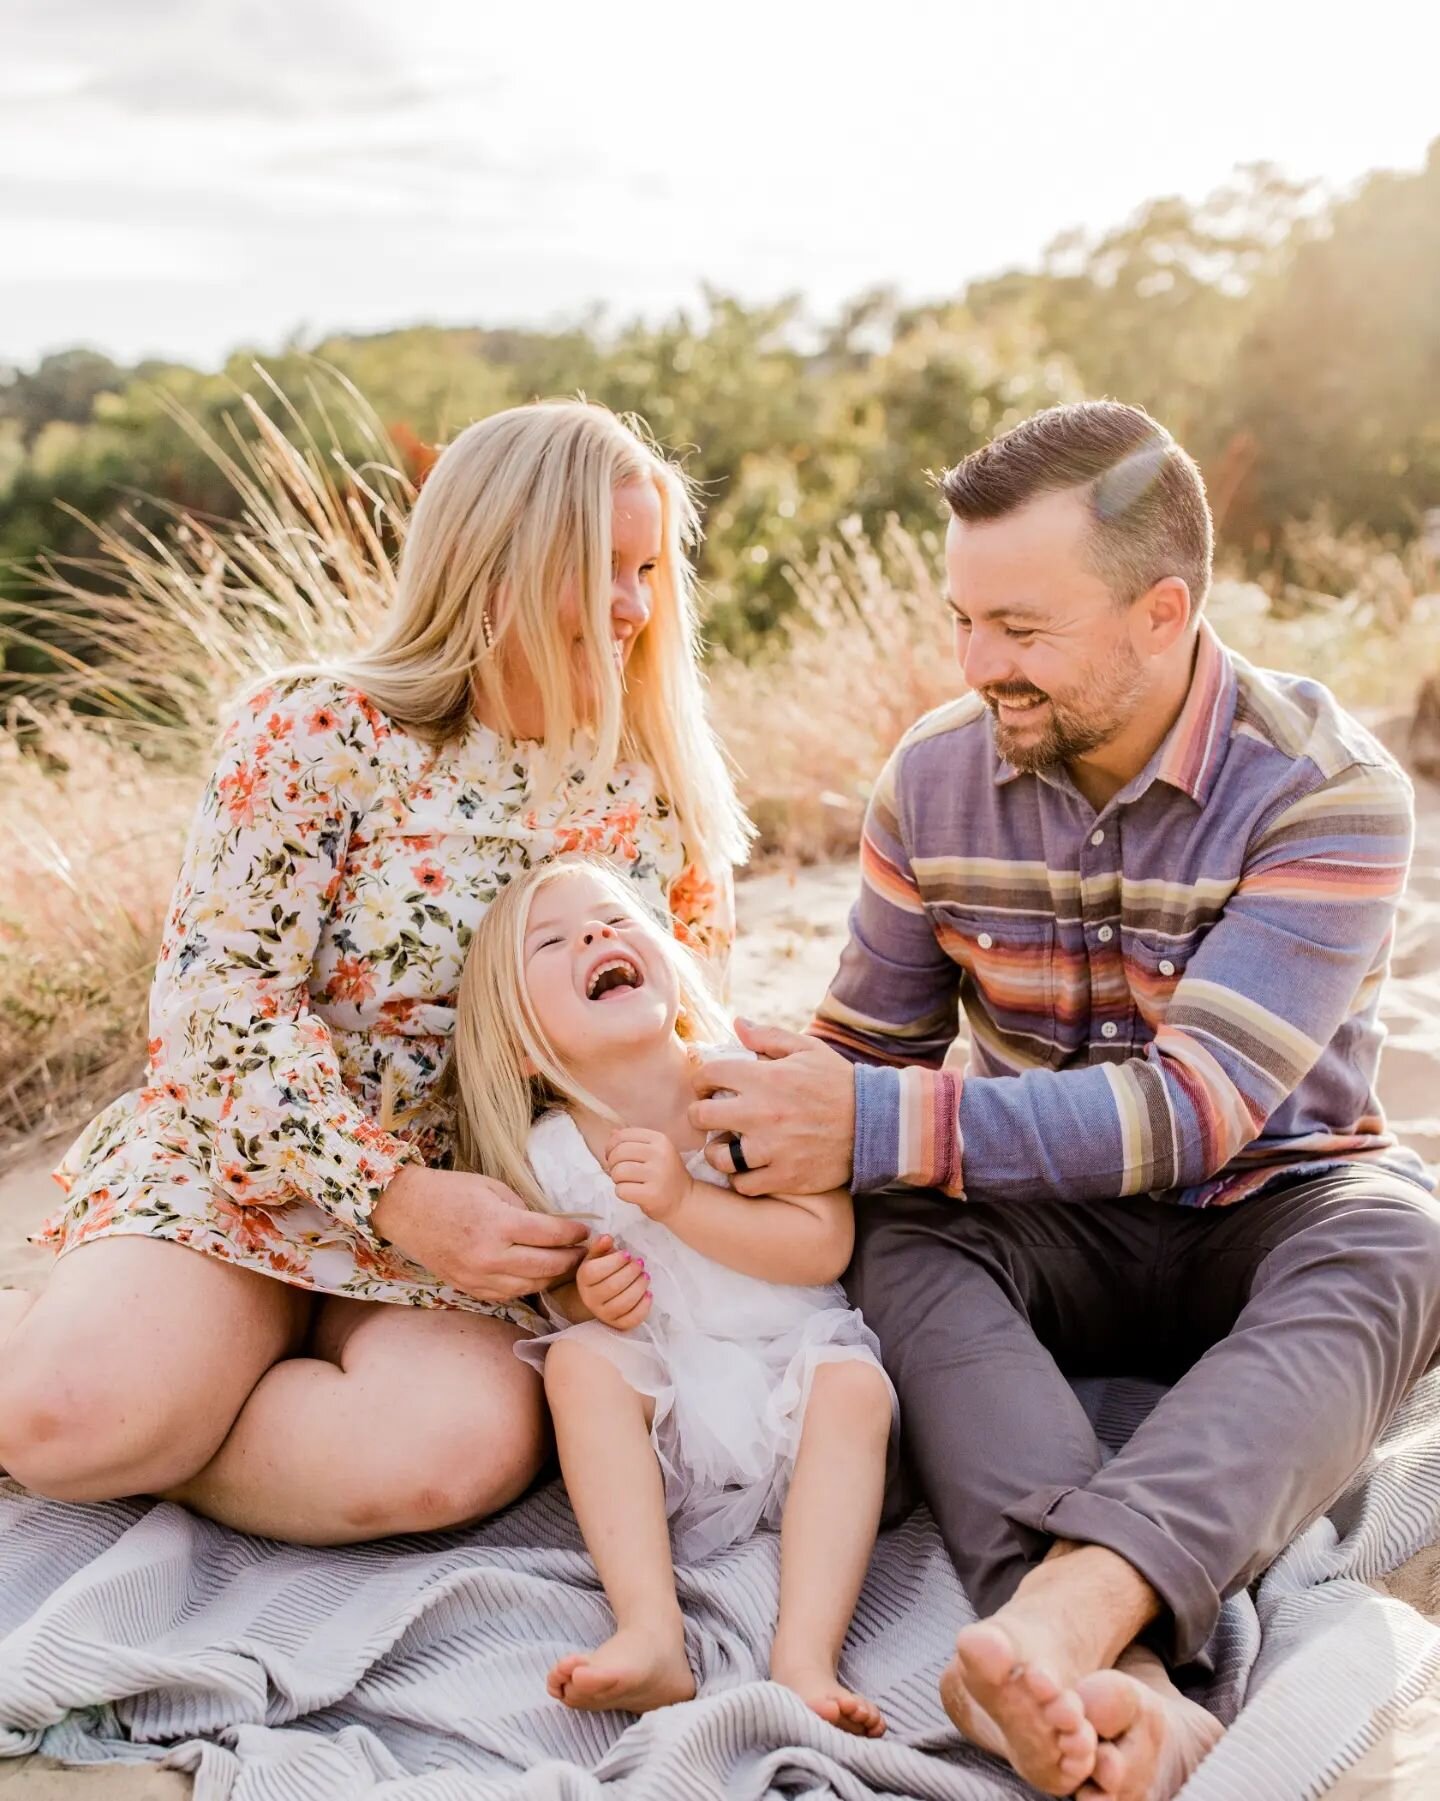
(1146, 497)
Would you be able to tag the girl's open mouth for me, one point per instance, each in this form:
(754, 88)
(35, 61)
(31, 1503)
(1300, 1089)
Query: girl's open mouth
(615, 976)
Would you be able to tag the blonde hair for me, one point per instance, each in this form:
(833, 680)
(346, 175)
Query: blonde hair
(516, 508)
(498, 1041)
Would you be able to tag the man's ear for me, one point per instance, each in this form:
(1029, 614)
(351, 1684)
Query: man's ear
(1168, 612)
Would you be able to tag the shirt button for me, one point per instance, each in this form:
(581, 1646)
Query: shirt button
(1105, 934)
(985, 941)
(1097, 837)
(1167, 968)
(1109, 1029)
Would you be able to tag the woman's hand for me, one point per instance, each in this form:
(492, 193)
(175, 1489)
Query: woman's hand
(476, 1234)
(613, 1285)
(646, 1170)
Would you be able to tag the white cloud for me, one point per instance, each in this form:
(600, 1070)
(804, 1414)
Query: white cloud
(203, 58)
(182, 174)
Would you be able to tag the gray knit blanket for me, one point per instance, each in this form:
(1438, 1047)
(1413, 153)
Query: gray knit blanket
(414, 1670)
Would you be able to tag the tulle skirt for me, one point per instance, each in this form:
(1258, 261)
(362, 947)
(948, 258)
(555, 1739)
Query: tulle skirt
(728, 1413)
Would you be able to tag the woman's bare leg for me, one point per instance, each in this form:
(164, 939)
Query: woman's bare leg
(124, 1374)
(146, 1368)
(613, 1478)
(832, 1514)
(15, 1303)
(405, 1420)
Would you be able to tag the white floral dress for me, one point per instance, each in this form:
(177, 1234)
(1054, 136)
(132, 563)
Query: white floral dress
(335, 871)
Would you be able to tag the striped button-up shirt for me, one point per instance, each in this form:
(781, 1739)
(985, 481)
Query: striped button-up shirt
(1177, 995)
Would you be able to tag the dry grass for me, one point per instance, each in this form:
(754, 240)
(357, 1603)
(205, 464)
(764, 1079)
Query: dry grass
(92, 834)
(101, 763)
(810, 724)
(98, 773)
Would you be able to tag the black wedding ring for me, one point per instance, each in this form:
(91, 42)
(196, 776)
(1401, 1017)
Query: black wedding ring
(737, 1152)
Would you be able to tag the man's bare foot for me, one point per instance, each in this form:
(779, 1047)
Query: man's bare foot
(634, 1672)
(822, 1692)
(1151, 1737)
(1012, 1700)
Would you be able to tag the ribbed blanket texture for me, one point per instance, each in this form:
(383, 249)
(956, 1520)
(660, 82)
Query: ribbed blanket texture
(414, 1670)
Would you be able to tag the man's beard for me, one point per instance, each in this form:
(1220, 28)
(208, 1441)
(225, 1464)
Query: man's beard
(1088, 716)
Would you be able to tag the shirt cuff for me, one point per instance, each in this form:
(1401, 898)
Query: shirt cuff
(907, 1130)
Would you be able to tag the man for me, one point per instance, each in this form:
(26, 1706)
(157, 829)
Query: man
(1162, 885)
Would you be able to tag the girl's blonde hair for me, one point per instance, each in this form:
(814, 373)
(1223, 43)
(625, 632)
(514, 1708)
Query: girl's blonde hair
(516, 508)
(498, 1040)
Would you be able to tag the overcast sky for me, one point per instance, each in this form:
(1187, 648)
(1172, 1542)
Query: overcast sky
(183, 176)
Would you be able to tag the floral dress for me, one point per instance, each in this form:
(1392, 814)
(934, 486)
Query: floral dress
(335, 871)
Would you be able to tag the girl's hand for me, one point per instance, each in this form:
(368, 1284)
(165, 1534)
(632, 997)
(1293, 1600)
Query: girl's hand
(646, 1170)
(613, 1285)
(476, 1234)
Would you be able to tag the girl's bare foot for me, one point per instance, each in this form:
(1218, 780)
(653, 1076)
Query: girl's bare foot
(822, 1692)
(994, 1685)
(637, 1670)
(1151, 1737)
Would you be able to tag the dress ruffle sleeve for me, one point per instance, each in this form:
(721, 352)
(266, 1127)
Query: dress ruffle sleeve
(233, 1037)
(702, 909)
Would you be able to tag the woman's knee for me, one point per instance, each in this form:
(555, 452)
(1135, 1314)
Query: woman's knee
(128, 1370)
(82, 1433)
(454, 1475)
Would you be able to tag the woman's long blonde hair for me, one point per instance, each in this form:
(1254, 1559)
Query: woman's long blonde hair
(516, 508)
(498, 1040)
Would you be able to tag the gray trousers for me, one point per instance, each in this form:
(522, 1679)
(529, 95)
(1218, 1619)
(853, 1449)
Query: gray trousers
(1290, 1325)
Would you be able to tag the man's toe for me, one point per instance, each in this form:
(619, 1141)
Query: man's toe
(1112, 1702)
(1064, 1712)
(985, 1655)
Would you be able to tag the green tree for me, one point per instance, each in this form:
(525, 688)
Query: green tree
(1337, 382)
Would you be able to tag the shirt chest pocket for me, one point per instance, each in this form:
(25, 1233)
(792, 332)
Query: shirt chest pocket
(1009, 959)
(1155, 964)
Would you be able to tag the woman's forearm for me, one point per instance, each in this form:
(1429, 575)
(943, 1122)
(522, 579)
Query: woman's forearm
(805, 1241)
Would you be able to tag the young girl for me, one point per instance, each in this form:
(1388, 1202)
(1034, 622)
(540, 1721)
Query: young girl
(705, 1366)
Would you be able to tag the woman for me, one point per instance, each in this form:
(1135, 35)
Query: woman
(270, 1304)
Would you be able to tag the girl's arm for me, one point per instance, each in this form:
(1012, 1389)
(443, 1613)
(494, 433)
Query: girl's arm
(804, 1239)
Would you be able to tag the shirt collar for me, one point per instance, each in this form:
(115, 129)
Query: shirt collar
(1193, 750)
(1190, 756)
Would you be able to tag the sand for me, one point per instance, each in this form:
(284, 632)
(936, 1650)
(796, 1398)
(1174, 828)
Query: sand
(792, 927)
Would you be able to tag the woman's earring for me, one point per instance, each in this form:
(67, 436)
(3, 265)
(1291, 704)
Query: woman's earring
(487, 630)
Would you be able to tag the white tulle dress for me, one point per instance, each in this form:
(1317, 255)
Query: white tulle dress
(728, 1358)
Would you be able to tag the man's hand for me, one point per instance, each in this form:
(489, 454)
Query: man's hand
(475, 1234)
(794, 1112)
(646, 1170)
(614, 1286)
